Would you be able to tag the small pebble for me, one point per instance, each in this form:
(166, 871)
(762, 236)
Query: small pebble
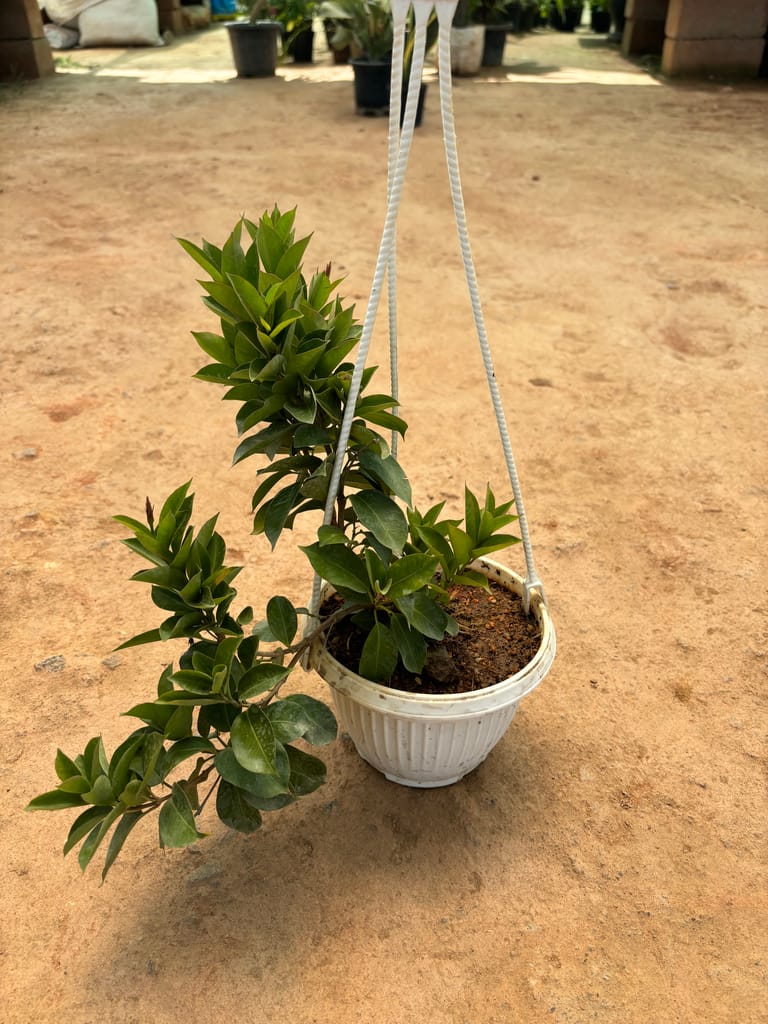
(53, 664)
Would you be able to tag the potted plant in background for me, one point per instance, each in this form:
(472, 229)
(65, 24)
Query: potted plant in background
(254, 42)
(365, 26)
(566, 15)
(401, 602)
(600, 16)
(494, 15)
(296, 18)
(467, 39)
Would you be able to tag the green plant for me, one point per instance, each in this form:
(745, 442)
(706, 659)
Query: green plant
(464, 15)
(364, 25)
(218, 722)
(491, 12)
(293, 15)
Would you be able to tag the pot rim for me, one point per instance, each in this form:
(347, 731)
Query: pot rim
(465, 705)
(264, 23)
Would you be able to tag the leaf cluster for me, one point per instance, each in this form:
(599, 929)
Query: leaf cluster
(395, 575)
(365, 25)
(218, 723)
(217, 714)
(282, 355)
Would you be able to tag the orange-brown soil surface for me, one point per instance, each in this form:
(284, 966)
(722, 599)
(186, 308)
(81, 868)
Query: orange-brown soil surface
(608, 861)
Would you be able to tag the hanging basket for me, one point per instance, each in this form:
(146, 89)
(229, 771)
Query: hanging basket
(428, 740)
(431, 740)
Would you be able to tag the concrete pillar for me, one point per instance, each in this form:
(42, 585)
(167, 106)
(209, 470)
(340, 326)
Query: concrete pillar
(644, 26)
(715, 37)
(24, 50)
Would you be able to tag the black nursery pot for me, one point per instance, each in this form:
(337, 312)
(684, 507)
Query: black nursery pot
(493, 47)
(600, 21)
(569, 21)
(372, 80)
(254, 47)
(300, 47)
(419, 103)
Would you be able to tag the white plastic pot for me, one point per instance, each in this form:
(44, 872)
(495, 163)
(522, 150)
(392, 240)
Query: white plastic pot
(467, 49)
(429, 740)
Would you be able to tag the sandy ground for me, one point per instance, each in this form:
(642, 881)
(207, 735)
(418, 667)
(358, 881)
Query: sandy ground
(608, 861)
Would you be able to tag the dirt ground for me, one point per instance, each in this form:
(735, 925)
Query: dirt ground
(608, 861)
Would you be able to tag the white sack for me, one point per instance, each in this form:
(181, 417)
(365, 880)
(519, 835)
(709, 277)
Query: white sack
(120, 23)
(65, 12)
(60, 38)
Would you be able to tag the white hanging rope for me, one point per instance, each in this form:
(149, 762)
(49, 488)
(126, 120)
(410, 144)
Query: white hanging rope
(399, 149)
(399, 153)
(399, 17)
(445, 11)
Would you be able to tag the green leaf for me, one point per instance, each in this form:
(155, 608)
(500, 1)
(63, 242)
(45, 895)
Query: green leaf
(307, 772)
(302, 717)
(150, 637)
(437, 543)
(179, 724)
(495, 543)
(179, 698)
(254, 742)
(156, 715)
(134, 793)
(192, 682)
(410, 573)
(95, 837)
(235, 811)
(120, 764)
(386, 471)
(291, 258)
(201, 258)
(383, 517)
(339, 566)
(470, 578)
(264, 787)
(185, 748)
(55, 800)
(100, 793)
(94, 760)
(249, 296)
(260, 679)
(64, 767)
(424, 615)
(379, 657)
(461, 543)
(282, 620)
(176, 820)
(387, 420)
(83, 824)
(121, 833)
(471, 514)
(226, 299)
(77, 784)
(411, 645)
(266, 442)
(277, 511)
(328, 535)
(214, 346)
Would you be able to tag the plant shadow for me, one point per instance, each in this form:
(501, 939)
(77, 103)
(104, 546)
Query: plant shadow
(359, 852)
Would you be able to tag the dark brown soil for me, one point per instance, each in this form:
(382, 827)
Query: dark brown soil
(495, 639)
